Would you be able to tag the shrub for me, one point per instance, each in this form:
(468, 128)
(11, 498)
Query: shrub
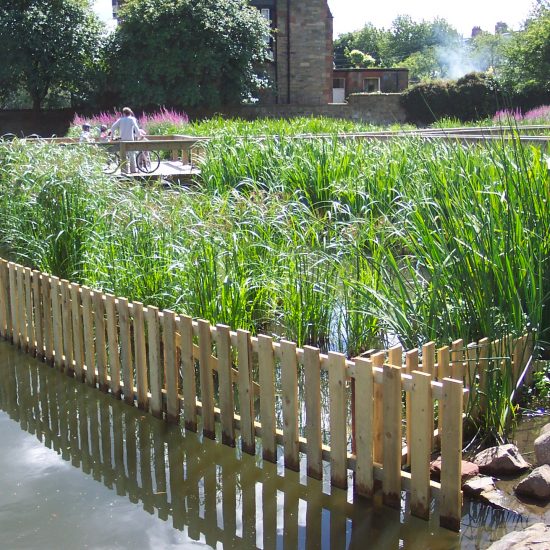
(472, 97)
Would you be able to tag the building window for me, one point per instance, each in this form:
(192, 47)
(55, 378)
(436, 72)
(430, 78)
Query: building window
(266, 14)
(339, 83)
(371, 85)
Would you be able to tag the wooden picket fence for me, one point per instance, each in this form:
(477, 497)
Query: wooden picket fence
(248, 387)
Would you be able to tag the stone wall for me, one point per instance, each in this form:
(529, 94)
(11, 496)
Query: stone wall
(380, 109)
(374, 108)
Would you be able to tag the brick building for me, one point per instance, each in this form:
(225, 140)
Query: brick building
(302, 57)
(301, 69)
(353, 81)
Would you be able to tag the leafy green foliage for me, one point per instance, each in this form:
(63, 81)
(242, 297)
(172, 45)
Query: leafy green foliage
(187, 53)
(473, 97)
(48, 46)
(527, 65)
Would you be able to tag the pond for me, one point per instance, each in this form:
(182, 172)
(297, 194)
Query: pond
(80, 469)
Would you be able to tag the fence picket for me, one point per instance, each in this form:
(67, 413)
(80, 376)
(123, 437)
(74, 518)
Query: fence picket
(378, 362)
(411, 364)
(47, 308)
(391, 484)
(57, 324)
(38, 314)
(312, 382)
(185, 325)
(31, 344)
(78, 330)
(13, 303)
(170, 366)
(451, 455)
(207, 382)
(266, 360)
(338, 424)
(127, 367)
(66, 317)
(443, 371)
(112, 343)
(156, 370)
(421, 444)
(140, 354)
(22, 310)
(483, 365)
(88, 326)
(5, 321)
(289, 383)
(246, 393)
(457, 365)
(364, 417)
(225, 377)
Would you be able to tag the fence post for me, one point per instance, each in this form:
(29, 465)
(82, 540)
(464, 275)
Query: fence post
(185, 326)
(21, 313)
(364, 416)
(156, 372)
(88, 325)
(378, 362)
(451, 454)
(338, 424)
(207, 381)
(266, 364)
(13, 304)
(31, 345)
(47, 308)
(4, 300)
(391, 485)
(421, 444)
(112, 342)
(57, 323)
(411, 364)
(38, 314)
(171, 370)
(246, 392)
(66, 316)
(312, 381)
(140, 356)
(289, 382)
(125, 350)
(225, 377)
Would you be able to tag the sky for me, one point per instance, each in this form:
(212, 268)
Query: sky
(352, 15)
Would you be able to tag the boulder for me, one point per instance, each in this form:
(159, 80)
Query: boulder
(542, 448)
(536, 485)
(501, 460)
(545, 429)
(535, 537)
(469, 470)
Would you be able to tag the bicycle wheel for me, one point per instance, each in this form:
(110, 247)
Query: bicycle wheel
(148, 163)
(113, 162)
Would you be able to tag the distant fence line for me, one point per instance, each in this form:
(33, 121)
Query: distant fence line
(176, 367)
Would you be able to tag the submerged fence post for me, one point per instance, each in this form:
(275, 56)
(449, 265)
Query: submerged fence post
(451, 454)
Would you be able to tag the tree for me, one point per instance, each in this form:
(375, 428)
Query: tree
(369, 39)
(527, 55)
(487, 50)
(188, 52)
(48, 45)
(359, 59)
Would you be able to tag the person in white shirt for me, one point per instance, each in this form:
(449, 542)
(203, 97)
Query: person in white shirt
(128, 130)
(86, 136)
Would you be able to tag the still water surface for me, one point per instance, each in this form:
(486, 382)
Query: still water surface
(79, 469)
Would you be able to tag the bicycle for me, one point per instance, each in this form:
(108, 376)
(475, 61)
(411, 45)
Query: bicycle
(147, 162)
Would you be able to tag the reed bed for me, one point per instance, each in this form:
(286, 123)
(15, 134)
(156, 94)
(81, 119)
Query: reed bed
(347, 245)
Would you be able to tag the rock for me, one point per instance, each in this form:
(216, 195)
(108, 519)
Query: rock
(469, 469)
(545, 429)
(478, 485)
(542, 448)
(536, 484)
(501, 460)
(535, 537)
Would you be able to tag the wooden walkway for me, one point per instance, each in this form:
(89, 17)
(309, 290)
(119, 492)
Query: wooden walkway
(171, 170)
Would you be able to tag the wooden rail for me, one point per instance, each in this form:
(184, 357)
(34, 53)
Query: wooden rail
(170, 364)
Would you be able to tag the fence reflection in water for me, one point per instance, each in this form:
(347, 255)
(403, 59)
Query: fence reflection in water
(232, 499)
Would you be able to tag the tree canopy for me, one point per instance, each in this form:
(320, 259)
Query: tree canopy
(188, 52)
(48, 45)
(527, 63)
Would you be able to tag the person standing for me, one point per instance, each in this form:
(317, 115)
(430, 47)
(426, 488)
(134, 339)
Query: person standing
(128, 130)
